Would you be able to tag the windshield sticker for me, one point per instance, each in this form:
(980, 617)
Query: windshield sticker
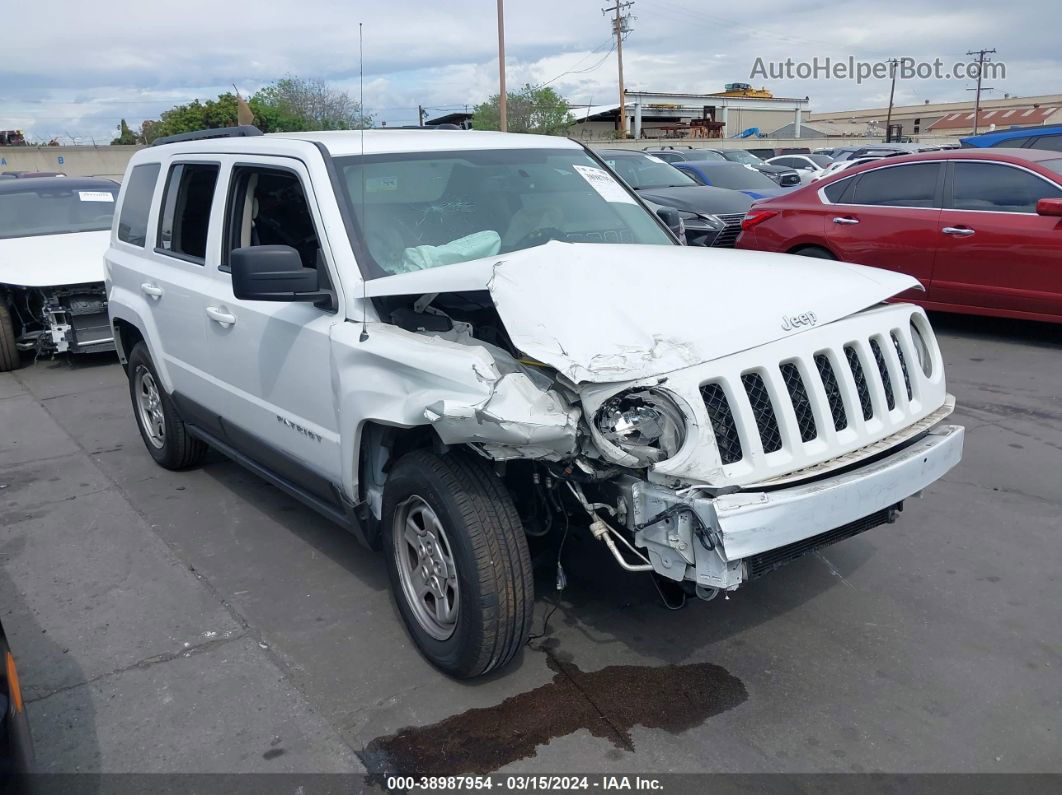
(95, 196)
(378, 184)
(604, 184)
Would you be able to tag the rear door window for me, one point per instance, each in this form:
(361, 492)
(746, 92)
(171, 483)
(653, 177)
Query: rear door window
(995, 187)
(133, 220)
(185, 217)
(1049, 142)
(912, 185)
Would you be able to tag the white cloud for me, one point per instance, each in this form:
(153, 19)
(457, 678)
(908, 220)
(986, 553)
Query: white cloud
(78, 70)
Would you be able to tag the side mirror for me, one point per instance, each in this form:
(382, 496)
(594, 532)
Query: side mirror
(1049, 207)
(788, 180)
(670, 216)
(274, 273)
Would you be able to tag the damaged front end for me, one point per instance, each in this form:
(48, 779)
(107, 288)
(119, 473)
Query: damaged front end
(62, 319)
(706, 459)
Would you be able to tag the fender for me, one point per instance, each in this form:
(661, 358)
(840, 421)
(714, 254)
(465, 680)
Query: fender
(131, 307)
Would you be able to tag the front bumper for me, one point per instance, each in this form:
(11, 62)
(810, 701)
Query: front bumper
(717, 543)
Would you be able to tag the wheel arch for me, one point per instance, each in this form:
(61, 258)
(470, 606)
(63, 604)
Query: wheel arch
(812, 245)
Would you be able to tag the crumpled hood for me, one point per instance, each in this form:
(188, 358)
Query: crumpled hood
(605, 313)
(53, 260)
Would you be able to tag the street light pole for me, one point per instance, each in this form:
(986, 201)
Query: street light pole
(503, 121)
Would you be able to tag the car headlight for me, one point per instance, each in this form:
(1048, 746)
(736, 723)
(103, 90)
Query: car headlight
(644, 423)
(925, 361)
(703, 222)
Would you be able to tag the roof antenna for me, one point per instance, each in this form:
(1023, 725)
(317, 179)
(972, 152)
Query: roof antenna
(361, 113)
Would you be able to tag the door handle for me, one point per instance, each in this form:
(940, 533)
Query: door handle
(958, 231)
(220, 316)
(147, 288)
(845, 220)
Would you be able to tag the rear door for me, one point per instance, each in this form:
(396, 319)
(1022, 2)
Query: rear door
(995, 252)
(889, 219)
(160, 257)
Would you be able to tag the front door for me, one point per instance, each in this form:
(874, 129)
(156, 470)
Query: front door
(994, 251)
(889, 219)
(273, 358)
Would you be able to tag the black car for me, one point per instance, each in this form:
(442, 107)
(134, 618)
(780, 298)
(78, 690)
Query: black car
(16, 749)
(711, 216)
(786, 177)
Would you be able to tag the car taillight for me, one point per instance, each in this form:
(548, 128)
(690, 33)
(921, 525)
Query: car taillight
(754, 217)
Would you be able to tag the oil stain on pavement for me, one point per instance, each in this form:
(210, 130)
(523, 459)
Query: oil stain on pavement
(608, 703)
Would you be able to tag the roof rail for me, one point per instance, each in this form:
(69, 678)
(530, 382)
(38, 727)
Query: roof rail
(445, 126)
(215, 132)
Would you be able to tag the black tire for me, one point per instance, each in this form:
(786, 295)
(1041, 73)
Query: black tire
(176, 449)
(10, 359)
(814, 251)
(488, 550)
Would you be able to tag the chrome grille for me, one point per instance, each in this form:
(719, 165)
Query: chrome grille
(763, 411)
(723, 425)
(860, 381)
(728, 236)
(798, 393)
(883, 371)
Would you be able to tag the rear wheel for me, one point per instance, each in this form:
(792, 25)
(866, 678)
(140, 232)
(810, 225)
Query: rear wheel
(458, 562)
(161, 427)
(814, 251)
(10, 358)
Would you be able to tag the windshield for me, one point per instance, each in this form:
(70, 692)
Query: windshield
(55, 209)
(423, 210)
(741, 156)
(645, 171)
(820, 160)
(738, 177)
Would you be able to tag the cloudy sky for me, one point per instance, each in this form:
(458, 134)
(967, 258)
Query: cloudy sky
(72, 69)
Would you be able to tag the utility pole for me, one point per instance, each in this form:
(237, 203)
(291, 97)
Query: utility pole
(420, 115)
(980, 71)
(893, 62)
(503, 120)
(619, 27)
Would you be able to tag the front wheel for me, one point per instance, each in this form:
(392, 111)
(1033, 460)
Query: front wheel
(165, 435)
(458, 562)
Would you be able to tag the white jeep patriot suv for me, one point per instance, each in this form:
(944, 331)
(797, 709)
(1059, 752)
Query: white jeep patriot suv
(448, 340)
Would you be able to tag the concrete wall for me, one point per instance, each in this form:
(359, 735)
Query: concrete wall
(75, 161)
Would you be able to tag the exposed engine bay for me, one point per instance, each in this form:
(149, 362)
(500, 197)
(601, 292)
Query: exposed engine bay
(65, 319)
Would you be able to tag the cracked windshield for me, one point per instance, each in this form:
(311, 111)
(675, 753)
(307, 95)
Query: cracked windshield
(421, 212)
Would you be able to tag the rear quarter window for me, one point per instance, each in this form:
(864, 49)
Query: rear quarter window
(837, 192)
(133, 219)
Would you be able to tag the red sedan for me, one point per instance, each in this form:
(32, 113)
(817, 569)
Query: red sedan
(981, 229)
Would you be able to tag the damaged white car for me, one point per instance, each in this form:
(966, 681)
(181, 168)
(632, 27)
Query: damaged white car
(53, 235)
(447, 340)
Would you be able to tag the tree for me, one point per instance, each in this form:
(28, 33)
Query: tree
(292, 104)
(300, 101)
(126, 137)
(529, 110)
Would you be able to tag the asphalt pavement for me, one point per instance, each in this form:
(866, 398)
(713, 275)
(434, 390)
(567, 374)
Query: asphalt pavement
(203, 621)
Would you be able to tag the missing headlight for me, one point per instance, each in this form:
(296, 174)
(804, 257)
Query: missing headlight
(644, 423)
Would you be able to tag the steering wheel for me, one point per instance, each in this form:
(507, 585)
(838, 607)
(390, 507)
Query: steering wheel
(536, 237)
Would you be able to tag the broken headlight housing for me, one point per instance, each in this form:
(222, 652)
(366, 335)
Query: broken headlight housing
(645, 424)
